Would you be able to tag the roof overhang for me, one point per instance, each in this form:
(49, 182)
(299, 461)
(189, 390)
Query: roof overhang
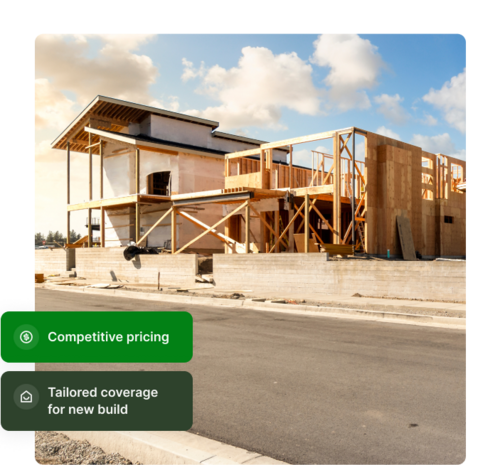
(114, 114)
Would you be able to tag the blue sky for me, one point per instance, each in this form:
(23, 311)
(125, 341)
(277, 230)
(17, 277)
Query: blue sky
(271, 87)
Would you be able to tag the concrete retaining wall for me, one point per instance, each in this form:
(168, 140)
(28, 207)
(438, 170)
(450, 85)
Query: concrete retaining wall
(52, 261)
(109, 264)
(313, 273)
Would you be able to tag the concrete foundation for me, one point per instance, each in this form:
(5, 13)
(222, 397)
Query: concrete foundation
(313, 273)
(53, 261)
(109, 264)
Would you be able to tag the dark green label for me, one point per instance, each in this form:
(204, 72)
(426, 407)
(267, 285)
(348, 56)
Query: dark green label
(115, 337)
(97, 401)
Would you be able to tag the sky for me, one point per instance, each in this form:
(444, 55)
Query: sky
(270, 87)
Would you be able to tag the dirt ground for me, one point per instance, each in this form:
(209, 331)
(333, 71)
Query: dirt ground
(55, 448)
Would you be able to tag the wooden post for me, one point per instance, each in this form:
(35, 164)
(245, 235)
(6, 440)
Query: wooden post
(101, 155)
(137, 222)
(137, 170)
(306, 224)
(290, 169)
(247, 227)
(90, 167)
(262, 169)
(68, 171)
(103, 227)
(89, 226)
(277, 229)
(337, 209)
(173, 229)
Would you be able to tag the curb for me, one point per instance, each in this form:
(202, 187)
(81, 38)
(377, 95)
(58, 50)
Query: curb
(337, 312)
(170, 448)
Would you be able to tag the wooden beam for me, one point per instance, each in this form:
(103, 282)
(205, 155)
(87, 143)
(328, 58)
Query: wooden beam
(301, 192)
(173, 230)
(306, 224)
(243, 153)
(247, 226)
(89, 228)
(337, 191)
(222, 237)
(137, 170)
(101, 154)
(298, 140)
(93, 145)
(267, 224)
(288, 227)
(212, 228)
(277, 227)
(313, 230)
(103, 229)
(137, 222)
(154, 226)
(90, 167)
(68, 159)
(290, 168)
(323, 218)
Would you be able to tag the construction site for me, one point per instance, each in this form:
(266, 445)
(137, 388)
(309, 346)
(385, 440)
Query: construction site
(376, 216)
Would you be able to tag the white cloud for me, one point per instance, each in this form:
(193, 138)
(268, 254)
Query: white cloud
(303, 157)
(254, 92)
(429, 120)
(53, 108)
(383, 131)
(63, 64)
(440, 143)
(190, 72)
(450, 100)
(354, 65)
(390, 107)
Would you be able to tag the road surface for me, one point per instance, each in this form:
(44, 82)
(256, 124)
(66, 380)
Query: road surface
(309, 389)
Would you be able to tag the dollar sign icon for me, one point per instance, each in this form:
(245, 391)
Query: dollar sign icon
(26, 337)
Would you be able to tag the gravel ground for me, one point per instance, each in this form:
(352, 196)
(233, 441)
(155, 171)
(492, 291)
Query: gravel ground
(55, 448)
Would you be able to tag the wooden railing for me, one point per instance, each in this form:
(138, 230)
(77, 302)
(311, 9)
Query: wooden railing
(246, 173)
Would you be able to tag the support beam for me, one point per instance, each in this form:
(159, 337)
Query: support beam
(137, 222)
(290, 168)
(103, 229)
(173, 231)
(212, 228)
(247, 226)
(155, 225)
(137, 170)
(288, 227)
(101, 156)
(306, 224)
(277, 227)
(89, 230)
(265, 223)
(222, 237)
(68, 171)
(353, 196)
(337, 190)
(90, 167)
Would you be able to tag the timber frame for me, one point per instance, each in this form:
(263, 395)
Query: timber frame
(340, 204)
(350, 206)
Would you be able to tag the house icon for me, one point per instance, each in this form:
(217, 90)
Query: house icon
(26, 397)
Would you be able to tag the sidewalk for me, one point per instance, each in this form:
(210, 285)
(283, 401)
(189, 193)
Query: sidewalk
(416, 312)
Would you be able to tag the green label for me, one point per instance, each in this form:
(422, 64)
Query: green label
(97, 401)
(86, 337)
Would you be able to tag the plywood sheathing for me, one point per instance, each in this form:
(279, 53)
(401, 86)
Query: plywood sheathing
(394, 187)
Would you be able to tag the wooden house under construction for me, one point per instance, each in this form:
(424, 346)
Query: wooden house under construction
(173, 181)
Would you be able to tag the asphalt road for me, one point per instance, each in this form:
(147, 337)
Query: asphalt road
(308, 389)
